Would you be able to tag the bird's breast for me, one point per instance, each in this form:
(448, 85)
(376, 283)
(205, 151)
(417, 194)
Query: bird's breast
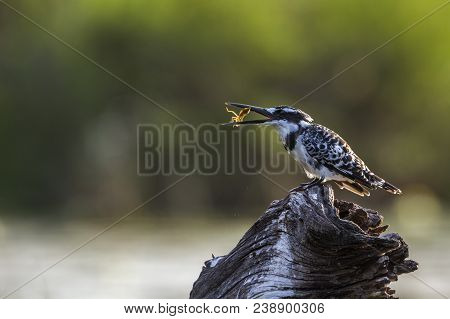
(301, 155)
(311, 166)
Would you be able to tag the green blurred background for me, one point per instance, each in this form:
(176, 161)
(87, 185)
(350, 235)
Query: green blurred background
(68, 130)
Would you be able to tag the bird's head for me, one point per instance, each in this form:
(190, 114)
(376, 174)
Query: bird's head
(284, 117)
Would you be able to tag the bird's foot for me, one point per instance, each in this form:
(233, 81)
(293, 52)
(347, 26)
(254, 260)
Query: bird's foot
(305, 186)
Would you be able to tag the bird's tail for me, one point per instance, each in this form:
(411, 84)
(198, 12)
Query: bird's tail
(378, 182)
(353, 187)
(391, 188)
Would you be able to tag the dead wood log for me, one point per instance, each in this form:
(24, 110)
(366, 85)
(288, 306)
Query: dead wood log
(309, 245)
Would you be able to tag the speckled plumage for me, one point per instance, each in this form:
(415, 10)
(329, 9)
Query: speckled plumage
(327, 148)
(324, 155)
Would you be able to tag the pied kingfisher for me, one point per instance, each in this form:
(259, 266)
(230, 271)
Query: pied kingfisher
(323, 154)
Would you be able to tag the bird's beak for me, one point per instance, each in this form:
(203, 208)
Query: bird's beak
(256, 109)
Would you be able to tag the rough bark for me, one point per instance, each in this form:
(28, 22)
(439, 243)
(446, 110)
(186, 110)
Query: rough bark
(309, 245)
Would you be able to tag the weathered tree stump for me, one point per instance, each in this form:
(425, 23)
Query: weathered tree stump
(309, 245)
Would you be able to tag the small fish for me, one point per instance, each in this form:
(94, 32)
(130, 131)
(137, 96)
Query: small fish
(238, 117)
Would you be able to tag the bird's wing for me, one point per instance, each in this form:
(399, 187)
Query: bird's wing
(332, 151)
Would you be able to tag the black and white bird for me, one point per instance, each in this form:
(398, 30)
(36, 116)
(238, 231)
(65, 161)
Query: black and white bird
(323, 154)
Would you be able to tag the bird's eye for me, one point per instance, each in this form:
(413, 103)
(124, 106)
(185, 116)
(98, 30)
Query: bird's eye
(278, 111)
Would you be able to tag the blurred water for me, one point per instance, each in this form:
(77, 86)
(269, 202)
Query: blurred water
(146, 258)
